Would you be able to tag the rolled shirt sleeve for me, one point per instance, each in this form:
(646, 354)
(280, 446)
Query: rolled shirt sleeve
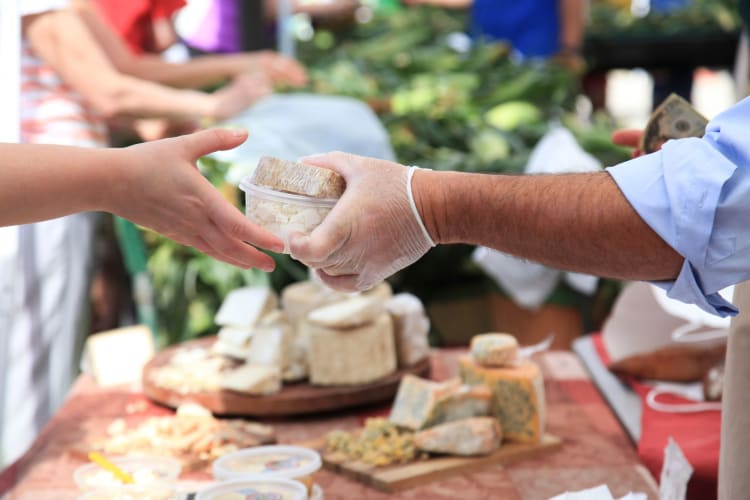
(695, 193)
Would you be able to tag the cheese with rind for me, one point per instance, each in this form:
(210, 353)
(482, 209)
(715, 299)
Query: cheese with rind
(517, 396)
(349, 313)
(410, 327)
(417, 399)
(350, 356)
(467, 437)
(298, 178)
(494, 349)
(463, 402)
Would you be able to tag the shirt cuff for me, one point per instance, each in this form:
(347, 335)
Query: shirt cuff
(687, 289)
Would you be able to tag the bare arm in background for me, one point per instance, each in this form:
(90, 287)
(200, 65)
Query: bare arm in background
(201, 71)
(154, 184)
(63, 40)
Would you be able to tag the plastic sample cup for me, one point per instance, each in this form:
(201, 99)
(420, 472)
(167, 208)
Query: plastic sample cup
(154, 491)
(255, 489)
(283, 213)
(284, 462)
(143, 470)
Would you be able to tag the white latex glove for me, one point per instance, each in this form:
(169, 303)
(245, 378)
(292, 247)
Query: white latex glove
(373, 231)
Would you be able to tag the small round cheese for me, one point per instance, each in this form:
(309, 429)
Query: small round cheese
(494, 349)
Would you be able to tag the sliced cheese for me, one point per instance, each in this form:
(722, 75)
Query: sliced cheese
(465, 402)
(236, 336)
(298, 178)
(417, 399)
(230, 350)
(245, 306)
(350, 313)
(494, 349)
(517, 396)
(272, 344)
(256, 380)
(298, 299)
(354, 356)
(468, 437)
(410, 328)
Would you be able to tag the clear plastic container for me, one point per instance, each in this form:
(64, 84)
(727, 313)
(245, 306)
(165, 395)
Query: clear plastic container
(255, 489)
(144, 470)
(285, 462)
(155, 491)
(283, 213)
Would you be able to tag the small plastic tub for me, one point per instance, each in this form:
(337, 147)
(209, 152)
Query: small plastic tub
(154, 491)
(144, 470)
(284, 462)
(283, 213)
(255, 489)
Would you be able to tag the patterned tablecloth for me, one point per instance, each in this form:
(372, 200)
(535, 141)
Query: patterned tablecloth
(596, 450)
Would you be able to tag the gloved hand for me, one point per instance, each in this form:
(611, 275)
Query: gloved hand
(373, 231)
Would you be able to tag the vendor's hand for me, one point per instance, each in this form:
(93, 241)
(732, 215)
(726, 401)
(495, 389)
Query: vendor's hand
(157, 185)
(371, 232)
(241, 93)
(629, 139)
(279, 69)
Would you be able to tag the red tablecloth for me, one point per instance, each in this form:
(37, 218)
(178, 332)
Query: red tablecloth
(697, 434)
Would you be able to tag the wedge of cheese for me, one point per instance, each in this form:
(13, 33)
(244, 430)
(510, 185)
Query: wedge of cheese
(298, 178)
(355, 311)
(517, 396)
(298, 299)
(494, 349)
(237, 336)
(468, 437)
(417, 399)
(463, 402)
(410, 328)
(350, 356)
(244, 307)
(256, 380)
(230, 350)
(272, 345)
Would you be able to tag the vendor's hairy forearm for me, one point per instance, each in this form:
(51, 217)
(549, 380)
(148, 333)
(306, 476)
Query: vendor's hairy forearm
(41, 182)
(578, 222)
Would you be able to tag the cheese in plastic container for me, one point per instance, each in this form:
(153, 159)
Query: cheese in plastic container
(255, 489)
(275, 461)
(282, 214)
(143, 470)
(286, 197)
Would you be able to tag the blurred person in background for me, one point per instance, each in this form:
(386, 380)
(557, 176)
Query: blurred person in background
(535, 28)
(69, 83)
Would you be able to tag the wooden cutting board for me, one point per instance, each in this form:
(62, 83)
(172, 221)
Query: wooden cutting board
(294, 399)
(395, 478)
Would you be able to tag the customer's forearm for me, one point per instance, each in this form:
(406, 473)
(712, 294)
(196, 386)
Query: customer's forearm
(39, 182)
(580, 222)
(196, 73)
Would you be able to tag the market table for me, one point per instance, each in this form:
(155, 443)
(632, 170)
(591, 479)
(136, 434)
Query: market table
(596, 450)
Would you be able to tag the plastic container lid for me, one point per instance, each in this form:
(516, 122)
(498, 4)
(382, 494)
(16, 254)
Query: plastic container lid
(144, 470)
(154, 491)
(255, 489)
(283, 197)
(289, 462)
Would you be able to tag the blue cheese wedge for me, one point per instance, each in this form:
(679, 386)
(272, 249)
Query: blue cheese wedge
(417, 399)
(464, 402)
(468, 437)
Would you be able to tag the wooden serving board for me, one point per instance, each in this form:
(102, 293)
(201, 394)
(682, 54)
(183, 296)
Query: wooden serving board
(395, 478)
(294, 399)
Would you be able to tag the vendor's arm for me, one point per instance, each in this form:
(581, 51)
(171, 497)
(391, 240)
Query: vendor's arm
(198, 72)
(694, 197)
(153, 184)
(572, 24)
(63, 41)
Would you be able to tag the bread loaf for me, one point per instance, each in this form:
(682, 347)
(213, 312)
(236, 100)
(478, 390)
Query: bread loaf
(298, 178)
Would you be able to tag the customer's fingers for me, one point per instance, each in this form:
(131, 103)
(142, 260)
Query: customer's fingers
(211, 140)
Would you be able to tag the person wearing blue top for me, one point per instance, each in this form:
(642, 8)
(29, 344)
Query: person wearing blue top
(535, 28)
